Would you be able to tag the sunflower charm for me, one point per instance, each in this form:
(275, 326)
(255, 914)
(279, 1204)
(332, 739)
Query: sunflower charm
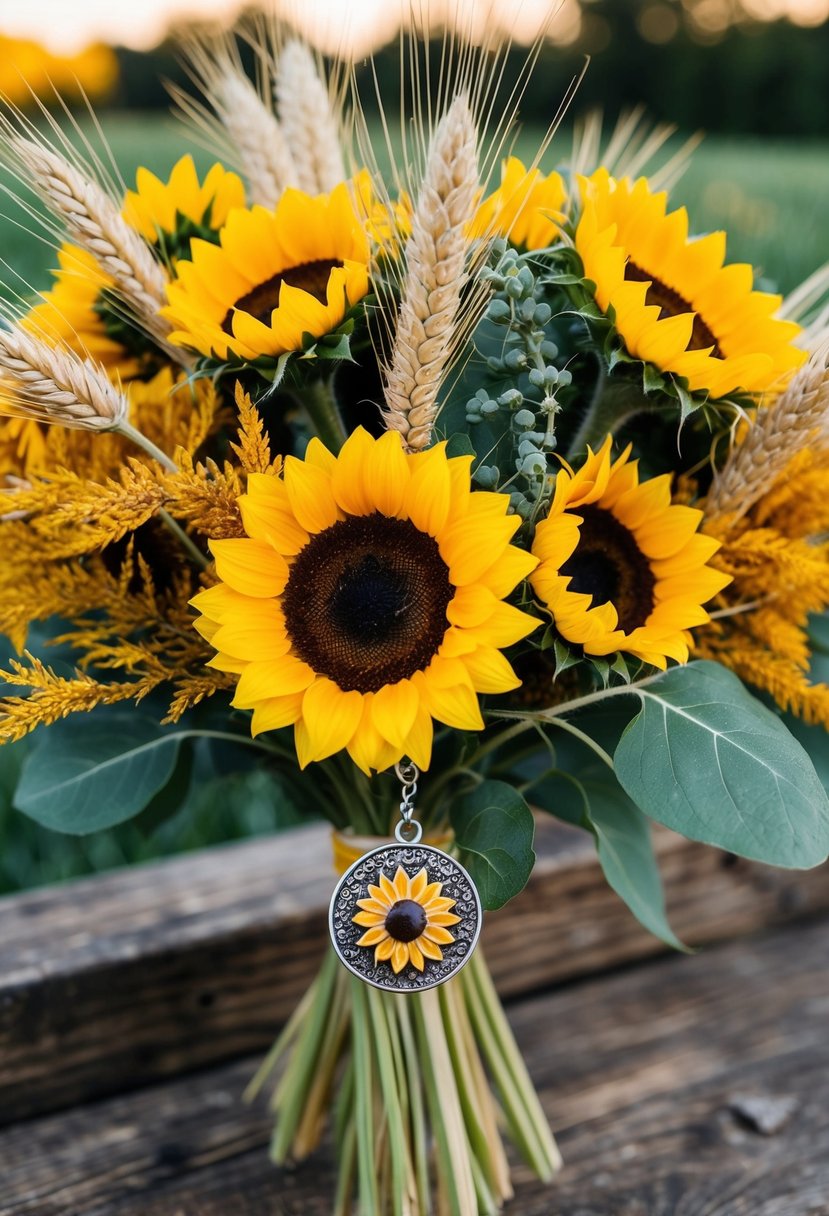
(405, 917)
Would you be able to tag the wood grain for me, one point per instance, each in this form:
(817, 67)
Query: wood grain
(123, 979)
(637, 1071)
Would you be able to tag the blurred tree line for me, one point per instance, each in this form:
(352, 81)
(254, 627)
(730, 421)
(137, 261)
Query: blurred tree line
(744, 78)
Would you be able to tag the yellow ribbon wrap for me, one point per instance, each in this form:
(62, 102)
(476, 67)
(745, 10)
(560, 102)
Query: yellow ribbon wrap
(348, 848)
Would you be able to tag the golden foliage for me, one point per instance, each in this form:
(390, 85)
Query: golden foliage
(253, 449)
(93, 539)
(778, 557)
(54, 697)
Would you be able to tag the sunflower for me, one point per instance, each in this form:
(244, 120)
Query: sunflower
(526, 209)
(276, 276)
(171, 213)
(675, 304)
(621, 567)
(366, 600)
(70, 315)
(406, 920)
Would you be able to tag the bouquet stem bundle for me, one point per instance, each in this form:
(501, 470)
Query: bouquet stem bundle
(414, 1115)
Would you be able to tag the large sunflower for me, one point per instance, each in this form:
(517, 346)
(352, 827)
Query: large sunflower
(526, 209)
(366, 600)
(172, 212)
(276, 276)
(406, 920)
(621, 567)
(674, 302)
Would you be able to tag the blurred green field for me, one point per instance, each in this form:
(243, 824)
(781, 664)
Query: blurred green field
(770, 196)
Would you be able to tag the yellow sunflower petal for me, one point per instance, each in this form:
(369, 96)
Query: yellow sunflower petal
(399, 956)
(250, 566)
(372, 937)
(331, 717)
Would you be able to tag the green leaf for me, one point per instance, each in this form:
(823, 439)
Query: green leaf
(91, 772)
(623, 843)
(622, 837)
(460, 444)
(494, 830)
(705, 758)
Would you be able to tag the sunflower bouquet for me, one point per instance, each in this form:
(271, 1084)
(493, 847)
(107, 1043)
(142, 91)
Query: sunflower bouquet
(427, 500)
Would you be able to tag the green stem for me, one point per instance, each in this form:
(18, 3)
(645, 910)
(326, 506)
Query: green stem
(591, 698)
(140, 440)
(417, 1113)
(526, 1119)
(181, 536)
(320, 402)
(364, 1100)
(613, 404)
(570, 729)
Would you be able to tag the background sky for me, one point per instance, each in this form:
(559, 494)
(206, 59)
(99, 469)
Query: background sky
(67, 25)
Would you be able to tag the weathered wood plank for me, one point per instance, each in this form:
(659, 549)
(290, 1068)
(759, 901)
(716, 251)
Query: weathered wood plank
(637, 1070)
(123, 979)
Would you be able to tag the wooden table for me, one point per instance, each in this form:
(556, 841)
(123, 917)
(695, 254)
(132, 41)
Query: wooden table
(134, 1007)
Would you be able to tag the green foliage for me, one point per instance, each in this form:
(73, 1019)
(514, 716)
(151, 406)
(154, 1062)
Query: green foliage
(494, 831)
(596, 802)
(79, 778)
(706, 758)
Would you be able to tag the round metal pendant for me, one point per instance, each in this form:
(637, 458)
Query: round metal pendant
(405, 917)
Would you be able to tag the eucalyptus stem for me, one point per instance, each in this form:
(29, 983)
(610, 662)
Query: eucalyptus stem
(320, 403)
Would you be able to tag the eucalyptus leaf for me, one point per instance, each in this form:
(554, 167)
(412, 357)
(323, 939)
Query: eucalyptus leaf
(84, 775)
(622, 837)
(494, 831)
(706, 758)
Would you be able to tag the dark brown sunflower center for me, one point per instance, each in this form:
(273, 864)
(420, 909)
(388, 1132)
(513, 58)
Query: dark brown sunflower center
(366, 602)
(262, 300)
(670, 304)
(405, 920)
(609, 565)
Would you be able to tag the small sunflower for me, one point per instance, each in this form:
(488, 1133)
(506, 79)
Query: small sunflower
(171, 213)
(526, 209)
(675, 303)
(367, 600)
(406, 920)
(70, 315)
(621, 567)
(276, 276)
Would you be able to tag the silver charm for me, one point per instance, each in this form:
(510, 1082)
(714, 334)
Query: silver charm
(406, 916)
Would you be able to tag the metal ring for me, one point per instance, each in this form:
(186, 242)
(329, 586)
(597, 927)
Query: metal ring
(408, 831)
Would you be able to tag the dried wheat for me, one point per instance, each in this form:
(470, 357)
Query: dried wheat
(55, 385)
(94, 221)
(798, 417)
(310, 126)
(435, 277)
(257, 137)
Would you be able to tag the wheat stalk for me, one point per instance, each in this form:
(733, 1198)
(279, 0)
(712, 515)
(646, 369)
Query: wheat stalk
(309, 124)
(798, 417)
(94, 221)
(53, 384)
(435, 277)
(259, 140)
